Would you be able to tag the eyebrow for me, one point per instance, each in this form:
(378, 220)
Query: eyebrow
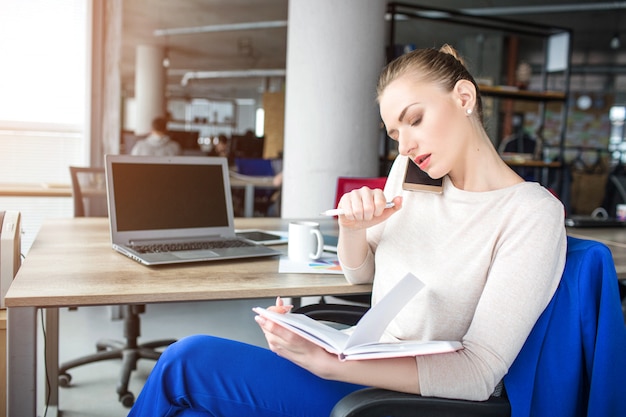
(403, 112)
(401, 116)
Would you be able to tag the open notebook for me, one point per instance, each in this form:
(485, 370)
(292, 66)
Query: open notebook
(174, 209)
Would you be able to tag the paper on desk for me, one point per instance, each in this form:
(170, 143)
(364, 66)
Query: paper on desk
(327, 264)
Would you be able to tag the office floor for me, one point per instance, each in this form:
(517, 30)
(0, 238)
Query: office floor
(92, 393)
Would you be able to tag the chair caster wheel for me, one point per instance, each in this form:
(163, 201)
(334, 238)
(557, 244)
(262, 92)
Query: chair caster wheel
(127, 399)
(64, 380)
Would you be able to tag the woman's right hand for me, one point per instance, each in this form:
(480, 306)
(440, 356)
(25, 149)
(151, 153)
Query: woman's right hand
(280, 306)
(365, 207)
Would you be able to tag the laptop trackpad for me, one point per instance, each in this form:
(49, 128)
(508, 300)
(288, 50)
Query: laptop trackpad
(194, 254)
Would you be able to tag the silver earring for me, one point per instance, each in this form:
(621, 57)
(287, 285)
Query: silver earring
(468, 111)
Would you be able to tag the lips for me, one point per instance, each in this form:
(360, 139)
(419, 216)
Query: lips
(422, 161)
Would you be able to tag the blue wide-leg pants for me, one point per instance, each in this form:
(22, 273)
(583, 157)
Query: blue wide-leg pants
(209, 376)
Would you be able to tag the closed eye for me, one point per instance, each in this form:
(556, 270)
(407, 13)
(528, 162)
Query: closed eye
(416, 122)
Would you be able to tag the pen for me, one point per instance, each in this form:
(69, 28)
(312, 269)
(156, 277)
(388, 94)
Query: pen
(339, 212)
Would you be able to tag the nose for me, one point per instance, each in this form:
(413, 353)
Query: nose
(406, 146)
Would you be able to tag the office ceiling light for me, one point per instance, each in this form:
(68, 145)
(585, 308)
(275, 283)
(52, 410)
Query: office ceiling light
(615, 42)
(191, 75)
(221, 28)
(584, 102)
(166, 58)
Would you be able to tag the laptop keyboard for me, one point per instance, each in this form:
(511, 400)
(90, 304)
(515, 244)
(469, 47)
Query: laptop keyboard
(184, 246)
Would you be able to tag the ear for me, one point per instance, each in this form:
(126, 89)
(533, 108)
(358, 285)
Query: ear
(465, 94)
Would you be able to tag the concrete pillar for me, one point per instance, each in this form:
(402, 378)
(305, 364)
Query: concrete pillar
(335, 51)
(149, 86)
(105, 87)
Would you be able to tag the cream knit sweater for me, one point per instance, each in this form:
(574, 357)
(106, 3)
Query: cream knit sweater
(491, 261)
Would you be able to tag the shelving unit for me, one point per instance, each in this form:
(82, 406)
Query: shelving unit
(516, 94)
(541, 97)
(209, 116)
(458, 27)
(192, 123)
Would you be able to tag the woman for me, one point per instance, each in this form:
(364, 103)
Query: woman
(490, 249)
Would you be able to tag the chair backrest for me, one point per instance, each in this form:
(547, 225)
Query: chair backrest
(574, 360)
(347, 184)
(89, 192)
(255, 167)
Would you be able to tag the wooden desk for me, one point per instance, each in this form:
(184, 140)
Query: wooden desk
(613, 237)
(71, 263)
(35, 190)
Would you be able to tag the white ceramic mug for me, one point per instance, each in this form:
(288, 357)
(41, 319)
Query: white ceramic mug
(305, 241)
(620, 212)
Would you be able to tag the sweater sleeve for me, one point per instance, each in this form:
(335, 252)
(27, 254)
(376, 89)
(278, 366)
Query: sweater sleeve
(365, 272)
(523, 276)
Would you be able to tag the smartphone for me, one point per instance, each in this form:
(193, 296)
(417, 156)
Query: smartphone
(417, 180)
(262, 237)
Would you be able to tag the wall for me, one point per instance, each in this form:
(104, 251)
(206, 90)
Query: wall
(274, 106)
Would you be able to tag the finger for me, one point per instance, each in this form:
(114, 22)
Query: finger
(361, 204)
(380, 203)
(397, 203)
(374, 202)
(271, 328)
(260, 320)
(280, 307)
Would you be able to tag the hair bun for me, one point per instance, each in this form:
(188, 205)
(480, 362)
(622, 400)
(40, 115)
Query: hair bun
(447, 49)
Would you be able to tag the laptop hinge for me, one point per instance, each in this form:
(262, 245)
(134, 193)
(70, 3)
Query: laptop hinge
(139, 242)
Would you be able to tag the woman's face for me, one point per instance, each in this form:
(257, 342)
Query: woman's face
(424, 120)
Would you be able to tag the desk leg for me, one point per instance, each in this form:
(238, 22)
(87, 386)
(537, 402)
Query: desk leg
(22, 361)
(52, 354)
(248, 202)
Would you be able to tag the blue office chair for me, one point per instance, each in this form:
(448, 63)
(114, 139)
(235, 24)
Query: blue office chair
(255, 167)
(572, 364)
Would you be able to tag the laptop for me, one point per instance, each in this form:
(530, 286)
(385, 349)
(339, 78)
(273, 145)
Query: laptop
(165, 210)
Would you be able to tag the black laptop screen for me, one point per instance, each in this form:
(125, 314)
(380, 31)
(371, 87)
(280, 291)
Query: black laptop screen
(168, 196)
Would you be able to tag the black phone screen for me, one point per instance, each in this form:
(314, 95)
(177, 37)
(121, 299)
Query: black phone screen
(258, 236)
(417, 180)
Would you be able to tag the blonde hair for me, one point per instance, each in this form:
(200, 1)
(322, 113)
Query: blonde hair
(444, 67)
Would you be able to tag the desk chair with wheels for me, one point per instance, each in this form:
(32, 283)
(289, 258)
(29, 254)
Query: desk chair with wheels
(89, 194)
(263, 197)
(572, 364)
